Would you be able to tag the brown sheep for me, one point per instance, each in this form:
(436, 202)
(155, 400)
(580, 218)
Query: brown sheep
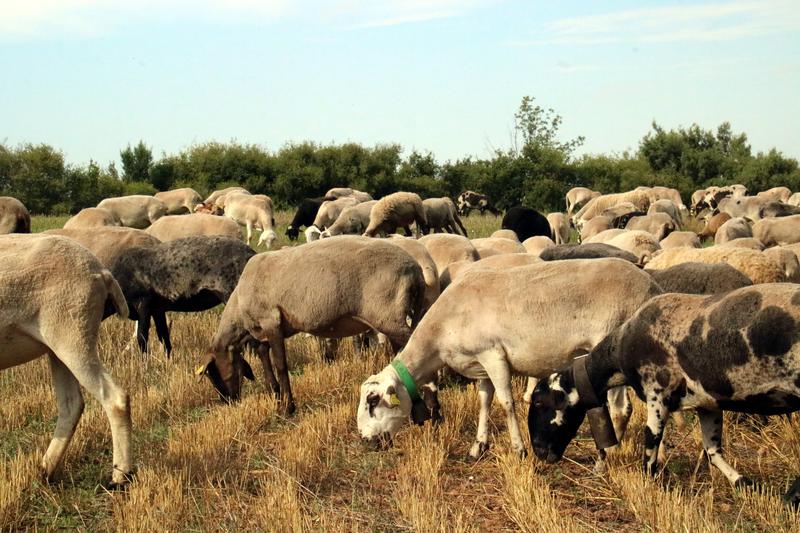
(713, 224)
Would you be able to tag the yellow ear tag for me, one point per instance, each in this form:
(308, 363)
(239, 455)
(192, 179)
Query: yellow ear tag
(199, 370)
(394, 400)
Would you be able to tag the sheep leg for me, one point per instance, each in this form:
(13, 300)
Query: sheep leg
(70, 409)
(497, 369)
(654, 432)
(529, 389)
(711, 429)
(407, 230)
(143, 327)
(249, 226)
(278, 357)
(269, 375)
(485, 397)
(162, 330)
(331, 346)
(620, 408)
(88, 370)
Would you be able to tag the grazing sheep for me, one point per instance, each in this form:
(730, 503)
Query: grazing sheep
(713, 224)
(700, 278)
(597, 205)
(659, 225)
(778, 209)
(754, 264)
(136, 211)
(594, 226)
(14, 216)
(352, 220)
(733, 352)
(454, 271)
(681, 239)
(778, 231)
(107, 243)
(735, 228)
(504, 234)
(347, 192)
(578, 196)
(252, 211)
(667, 207)
(330, 210)
(53, 294)
(216, 200)
(430, 274)
(92, 217)
(488, 246)
(396, 210)
(776, 194)
(491, 324)
(559, 227)
(173, 227)
(442, 215)
(535, 245)
(359, 283)
(469, 200)
(642, 244)
(447, 248)
(525, 222)
(187, 275)
(744, 242)
(586, 251)
(304, 216)
(621, 213)
(786, 260)
(180, 201)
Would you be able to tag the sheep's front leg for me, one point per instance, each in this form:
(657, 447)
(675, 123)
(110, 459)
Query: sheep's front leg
(529, 389)
(162, 330)
(654, 431)
(278, 356)
(485, 396)
(263, 355)
(143, 326)
(498, 371)
(711, 428)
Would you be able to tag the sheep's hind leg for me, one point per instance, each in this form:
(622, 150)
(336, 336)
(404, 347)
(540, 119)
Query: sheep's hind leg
(70, 409)
(529, 389)
(711, 428)
(485, 396)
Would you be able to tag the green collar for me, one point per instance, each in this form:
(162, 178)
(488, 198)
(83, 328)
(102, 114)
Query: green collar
(405, 377)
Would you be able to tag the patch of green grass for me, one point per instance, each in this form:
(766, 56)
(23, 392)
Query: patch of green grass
(41, 223)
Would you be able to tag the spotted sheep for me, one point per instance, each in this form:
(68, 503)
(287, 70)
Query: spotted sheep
(492, 323)
(469, 200)
(737, 351)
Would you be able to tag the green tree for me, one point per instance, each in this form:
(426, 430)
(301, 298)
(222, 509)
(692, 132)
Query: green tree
(136, 163)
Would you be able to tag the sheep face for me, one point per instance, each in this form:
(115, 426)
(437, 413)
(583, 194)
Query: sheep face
(554, 417)
(383, 408)
(292, 233)
(225, 371)
(267, 238)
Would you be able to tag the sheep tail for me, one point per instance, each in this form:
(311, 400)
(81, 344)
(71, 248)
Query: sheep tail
(115, 296)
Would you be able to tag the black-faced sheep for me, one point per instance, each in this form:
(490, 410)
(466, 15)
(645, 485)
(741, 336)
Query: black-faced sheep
(186, 275)
(304, 216)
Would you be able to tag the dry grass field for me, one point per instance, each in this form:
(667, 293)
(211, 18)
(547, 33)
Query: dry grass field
(202, 465)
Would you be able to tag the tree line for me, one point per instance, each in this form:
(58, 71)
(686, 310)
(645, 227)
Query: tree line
(537, 170)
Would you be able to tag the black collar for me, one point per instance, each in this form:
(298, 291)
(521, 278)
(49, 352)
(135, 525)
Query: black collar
(586, 393)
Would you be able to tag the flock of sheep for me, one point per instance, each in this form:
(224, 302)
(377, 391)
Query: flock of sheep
(638, 302)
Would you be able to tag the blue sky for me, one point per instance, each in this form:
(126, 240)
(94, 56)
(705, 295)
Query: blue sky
(91, 76)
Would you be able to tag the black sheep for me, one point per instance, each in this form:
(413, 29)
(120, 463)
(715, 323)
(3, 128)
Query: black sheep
(526, 223)
(594, 250)
(305, 215)
(185, 275)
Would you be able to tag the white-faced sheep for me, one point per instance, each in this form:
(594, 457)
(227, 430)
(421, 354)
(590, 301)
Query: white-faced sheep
(173, 227)
(352, 220)
(491, 324)
(186, 275)
(180, 201)
(53, 293)
(14, 216)
(396, 210)
(135, 211)
(252, 211)
(361, 284)
(442, 215)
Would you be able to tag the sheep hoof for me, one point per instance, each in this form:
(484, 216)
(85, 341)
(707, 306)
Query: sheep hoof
(744, 482)
(792, 497)
(477, 451)
(121, 485)
(287, 409)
